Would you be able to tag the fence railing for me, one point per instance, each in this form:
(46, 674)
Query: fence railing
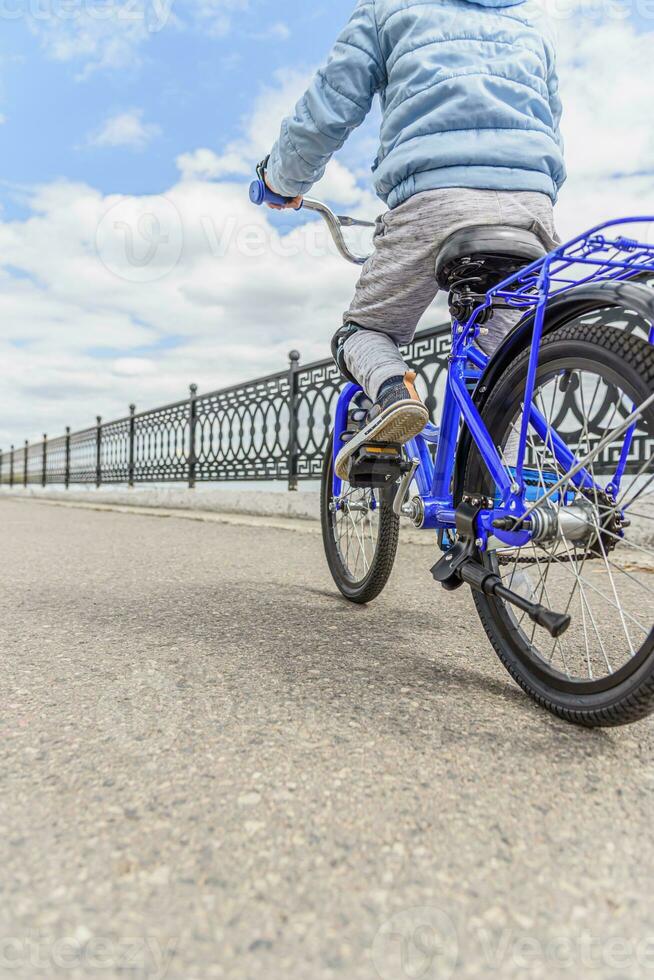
(273, 428)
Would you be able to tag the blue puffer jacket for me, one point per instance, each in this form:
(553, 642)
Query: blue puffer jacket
(469, 95)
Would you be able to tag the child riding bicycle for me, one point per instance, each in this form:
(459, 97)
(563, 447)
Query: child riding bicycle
(469, 135)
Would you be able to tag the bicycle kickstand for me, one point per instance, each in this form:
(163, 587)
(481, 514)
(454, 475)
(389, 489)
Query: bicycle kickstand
(461, 564)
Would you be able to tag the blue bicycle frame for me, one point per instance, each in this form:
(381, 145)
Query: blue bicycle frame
(592, 257)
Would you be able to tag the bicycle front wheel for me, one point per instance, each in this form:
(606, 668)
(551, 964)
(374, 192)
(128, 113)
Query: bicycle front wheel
(594, 558)
(360, 533)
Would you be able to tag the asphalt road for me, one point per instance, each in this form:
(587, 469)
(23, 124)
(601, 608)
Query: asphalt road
(211, 766)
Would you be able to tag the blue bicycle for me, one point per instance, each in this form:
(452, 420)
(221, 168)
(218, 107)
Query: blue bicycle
(538, 482)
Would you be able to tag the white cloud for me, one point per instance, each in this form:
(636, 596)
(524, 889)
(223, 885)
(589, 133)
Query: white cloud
(606, 102)
(125, 129)
(204, 164)
(260, 130)
(609, 142)
(110, 36)
(216, 16)
(585, 203)
(279, 31)
(247, 285)
(241, 295)
(100, 38)
(274, 102)
(133, 367)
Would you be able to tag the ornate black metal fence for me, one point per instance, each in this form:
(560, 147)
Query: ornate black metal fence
(273, 428)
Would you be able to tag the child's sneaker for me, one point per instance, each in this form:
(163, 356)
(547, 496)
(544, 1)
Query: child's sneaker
(397, 416)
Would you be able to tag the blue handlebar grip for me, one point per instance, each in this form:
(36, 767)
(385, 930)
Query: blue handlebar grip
(261, 194)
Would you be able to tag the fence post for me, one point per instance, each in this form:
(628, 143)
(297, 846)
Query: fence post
(11, 467)
(132, 430)
(67, 463)
(192, 423)
(44, 463)
(25, 463)
(98, 450)
(2, 459)
(294, 360)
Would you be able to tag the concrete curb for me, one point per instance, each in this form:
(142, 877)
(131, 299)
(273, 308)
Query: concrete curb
(203, 516)
(297, 515)
(299, 505)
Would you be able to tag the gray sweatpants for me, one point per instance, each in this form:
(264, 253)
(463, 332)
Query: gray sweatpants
(397, 282)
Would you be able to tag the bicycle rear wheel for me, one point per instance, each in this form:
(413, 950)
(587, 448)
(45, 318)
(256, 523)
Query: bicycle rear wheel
(595, 556)
(360, 533)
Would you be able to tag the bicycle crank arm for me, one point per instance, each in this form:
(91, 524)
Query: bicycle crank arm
(457, 566)
(403, 487)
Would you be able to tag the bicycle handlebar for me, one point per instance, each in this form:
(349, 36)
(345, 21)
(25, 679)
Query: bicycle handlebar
(261, 194)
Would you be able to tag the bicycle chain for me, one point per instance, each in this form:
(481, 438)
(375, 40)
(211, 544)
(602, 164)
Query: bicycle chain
(560, 559)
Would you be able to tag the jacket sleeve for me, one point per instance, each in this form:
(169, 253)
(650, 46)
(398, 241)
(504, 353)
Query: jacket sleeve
(556, 108)
(337, 101)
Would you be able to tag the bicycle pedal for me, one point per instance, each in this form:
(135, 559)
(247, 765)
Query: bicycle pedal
(377, 465)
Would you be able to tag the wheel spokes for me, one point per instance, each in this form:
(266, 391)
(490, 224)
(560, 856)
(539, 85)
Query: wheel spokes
(593, 576)
(355, 528)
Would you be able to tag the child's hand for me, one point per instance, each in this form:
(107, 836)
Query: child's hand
(294, 203)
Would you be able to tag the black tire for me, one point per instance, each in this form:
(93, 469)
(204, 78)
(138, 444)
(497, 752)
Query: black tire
(378, 565)
(627, 694)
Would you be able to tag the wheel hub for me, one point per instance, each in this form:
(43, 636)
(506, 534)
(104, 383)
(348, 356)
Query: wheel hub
(351, 506)
(577, 522)
(595, 523)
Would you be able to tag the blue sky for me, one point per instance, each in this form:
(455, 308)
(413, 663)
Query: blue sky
(104, 121)
(193, 84)
(192, 76)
